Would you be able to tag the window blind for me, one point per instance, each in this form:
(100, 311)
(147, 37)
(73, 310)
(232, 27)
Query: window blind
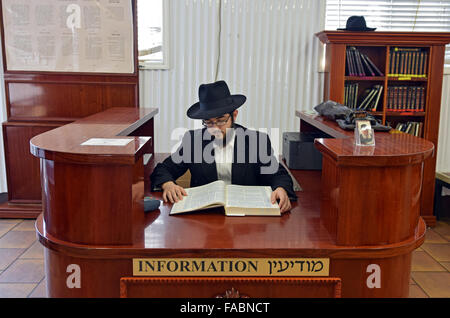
(393, 15)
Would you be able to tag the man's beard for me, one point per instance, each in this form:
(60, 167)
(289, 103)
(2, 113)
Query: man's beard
(226, 138)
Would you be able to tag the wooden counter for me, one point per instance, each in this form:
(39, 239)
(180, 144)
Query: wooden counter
(393, 149)
(86, 189)
(375, 191)
(103, 237)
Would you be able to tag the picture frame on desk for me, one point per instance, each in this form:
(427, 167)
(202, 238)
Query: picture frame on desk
(364, 133)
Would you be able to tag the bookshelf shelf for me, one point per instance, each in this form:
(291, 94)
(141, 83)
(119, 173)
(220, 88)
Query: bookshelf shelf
(407, 79)
(410, 114)
(417, 61)
(365, 78)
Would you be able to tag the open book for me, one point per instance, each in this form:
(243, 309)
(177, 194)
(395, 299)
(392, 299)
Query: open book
(237, 200)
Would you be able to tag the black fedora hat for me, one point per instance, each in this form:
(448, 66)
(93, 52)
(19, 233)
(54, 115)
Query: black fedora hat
(356, 23)
(215, 101)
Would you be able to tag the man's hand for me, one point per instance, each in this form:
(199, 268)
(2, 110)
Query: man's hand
(172, 192)
(285, 203)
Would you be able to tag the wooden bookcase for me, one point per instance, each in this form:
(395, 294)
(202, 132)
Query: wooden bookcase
(379, 47)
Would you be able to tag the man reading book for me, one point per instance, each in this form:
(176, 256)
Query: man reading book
(223, 150)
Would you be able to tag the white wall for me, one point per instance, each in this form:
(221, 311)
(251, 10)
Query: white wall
(3, 186)
(443, 153)
(268, 53)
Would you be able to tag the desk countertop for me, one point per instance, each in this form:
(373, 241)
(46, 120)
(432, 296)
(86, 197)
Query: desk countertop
(391, 148)
(64, 143)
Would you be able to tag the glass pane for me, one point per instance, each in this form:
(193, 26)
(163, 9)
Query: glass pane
(150, 30)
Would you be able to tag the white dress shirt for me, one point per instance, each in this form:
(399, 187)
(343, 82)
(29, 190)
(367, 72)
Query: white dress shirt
(223, 156)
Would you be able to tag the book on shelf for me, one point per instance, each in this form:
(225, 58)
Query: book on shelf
(376, 69)
(237, 200)
(370, 70)
(359, 64)
(374, 105)
(411, 127)
(361, 71)
(354, 58)
(408, 62)
(348, 64)
(352, 65)
(367, 97)
(406, 98)
(371, 98)
(351, 95)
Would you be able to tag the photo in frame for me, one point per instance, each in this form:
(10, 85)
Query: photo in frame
(364, 134)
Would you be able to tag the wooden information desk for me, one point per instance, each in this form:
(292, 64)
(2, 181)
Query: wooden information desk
(339, 240)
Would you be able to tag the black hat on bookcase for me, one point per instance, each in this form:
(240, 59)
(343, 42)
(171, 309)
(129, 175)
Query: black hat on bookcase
(356, 23)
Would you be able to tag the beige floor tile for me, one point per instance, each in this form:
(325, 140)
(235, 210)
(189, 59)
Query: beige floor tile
(442, 227)
(40, 291)
(15, 290)
(10, 221)
(34, 251)
(25, 225)
(446, 265)
(4, 228)
(24, 271)
(416, 292)
(430, 237)
(421, 261)
(435, 284)
(440, 252)
(17, 239)
(9, 255)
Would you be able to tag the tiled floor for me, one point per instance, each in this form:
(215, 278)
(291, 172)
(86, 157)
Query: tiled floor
(22, 262)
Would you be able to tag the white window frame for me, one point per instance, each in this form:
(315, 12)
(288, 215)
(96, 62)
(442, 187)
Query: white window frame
(146, 65)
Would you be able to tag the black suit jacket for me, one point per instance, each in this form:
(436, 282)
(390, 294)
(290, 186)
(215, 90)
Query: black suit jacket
(245, 170)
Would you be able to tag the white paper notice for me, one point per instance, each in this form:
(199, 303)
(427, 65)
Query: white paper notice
(106, 142)
(94, 36)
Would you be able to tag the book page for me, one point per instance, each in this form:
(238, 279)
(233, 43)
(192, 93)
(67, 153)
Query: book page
(249, 197)
(206, 196)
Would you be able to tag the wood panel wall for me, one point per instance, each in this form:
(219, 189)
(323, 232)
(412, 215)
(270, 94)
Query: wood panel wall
(39, 101)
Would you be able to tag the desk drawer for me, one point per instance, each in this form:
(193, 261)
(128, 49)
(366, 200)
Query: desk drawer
(229, 287)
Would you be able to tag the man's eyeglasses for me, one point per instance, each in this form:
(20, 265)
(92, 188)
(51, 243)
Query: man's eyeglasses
(218, 123)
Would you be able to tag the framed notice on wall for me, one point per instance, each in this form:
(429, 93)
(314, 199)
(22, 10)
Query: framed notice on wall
(94, 36)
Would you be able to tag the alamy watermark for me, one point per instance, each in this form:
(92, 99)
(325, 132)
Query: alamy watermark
(251, 146)
(74, 279)
(374, 279)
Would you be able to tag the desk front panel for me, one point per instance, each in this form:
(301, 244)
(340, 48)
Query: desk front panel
(22, 168)
(201, 287)
(364, 276)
